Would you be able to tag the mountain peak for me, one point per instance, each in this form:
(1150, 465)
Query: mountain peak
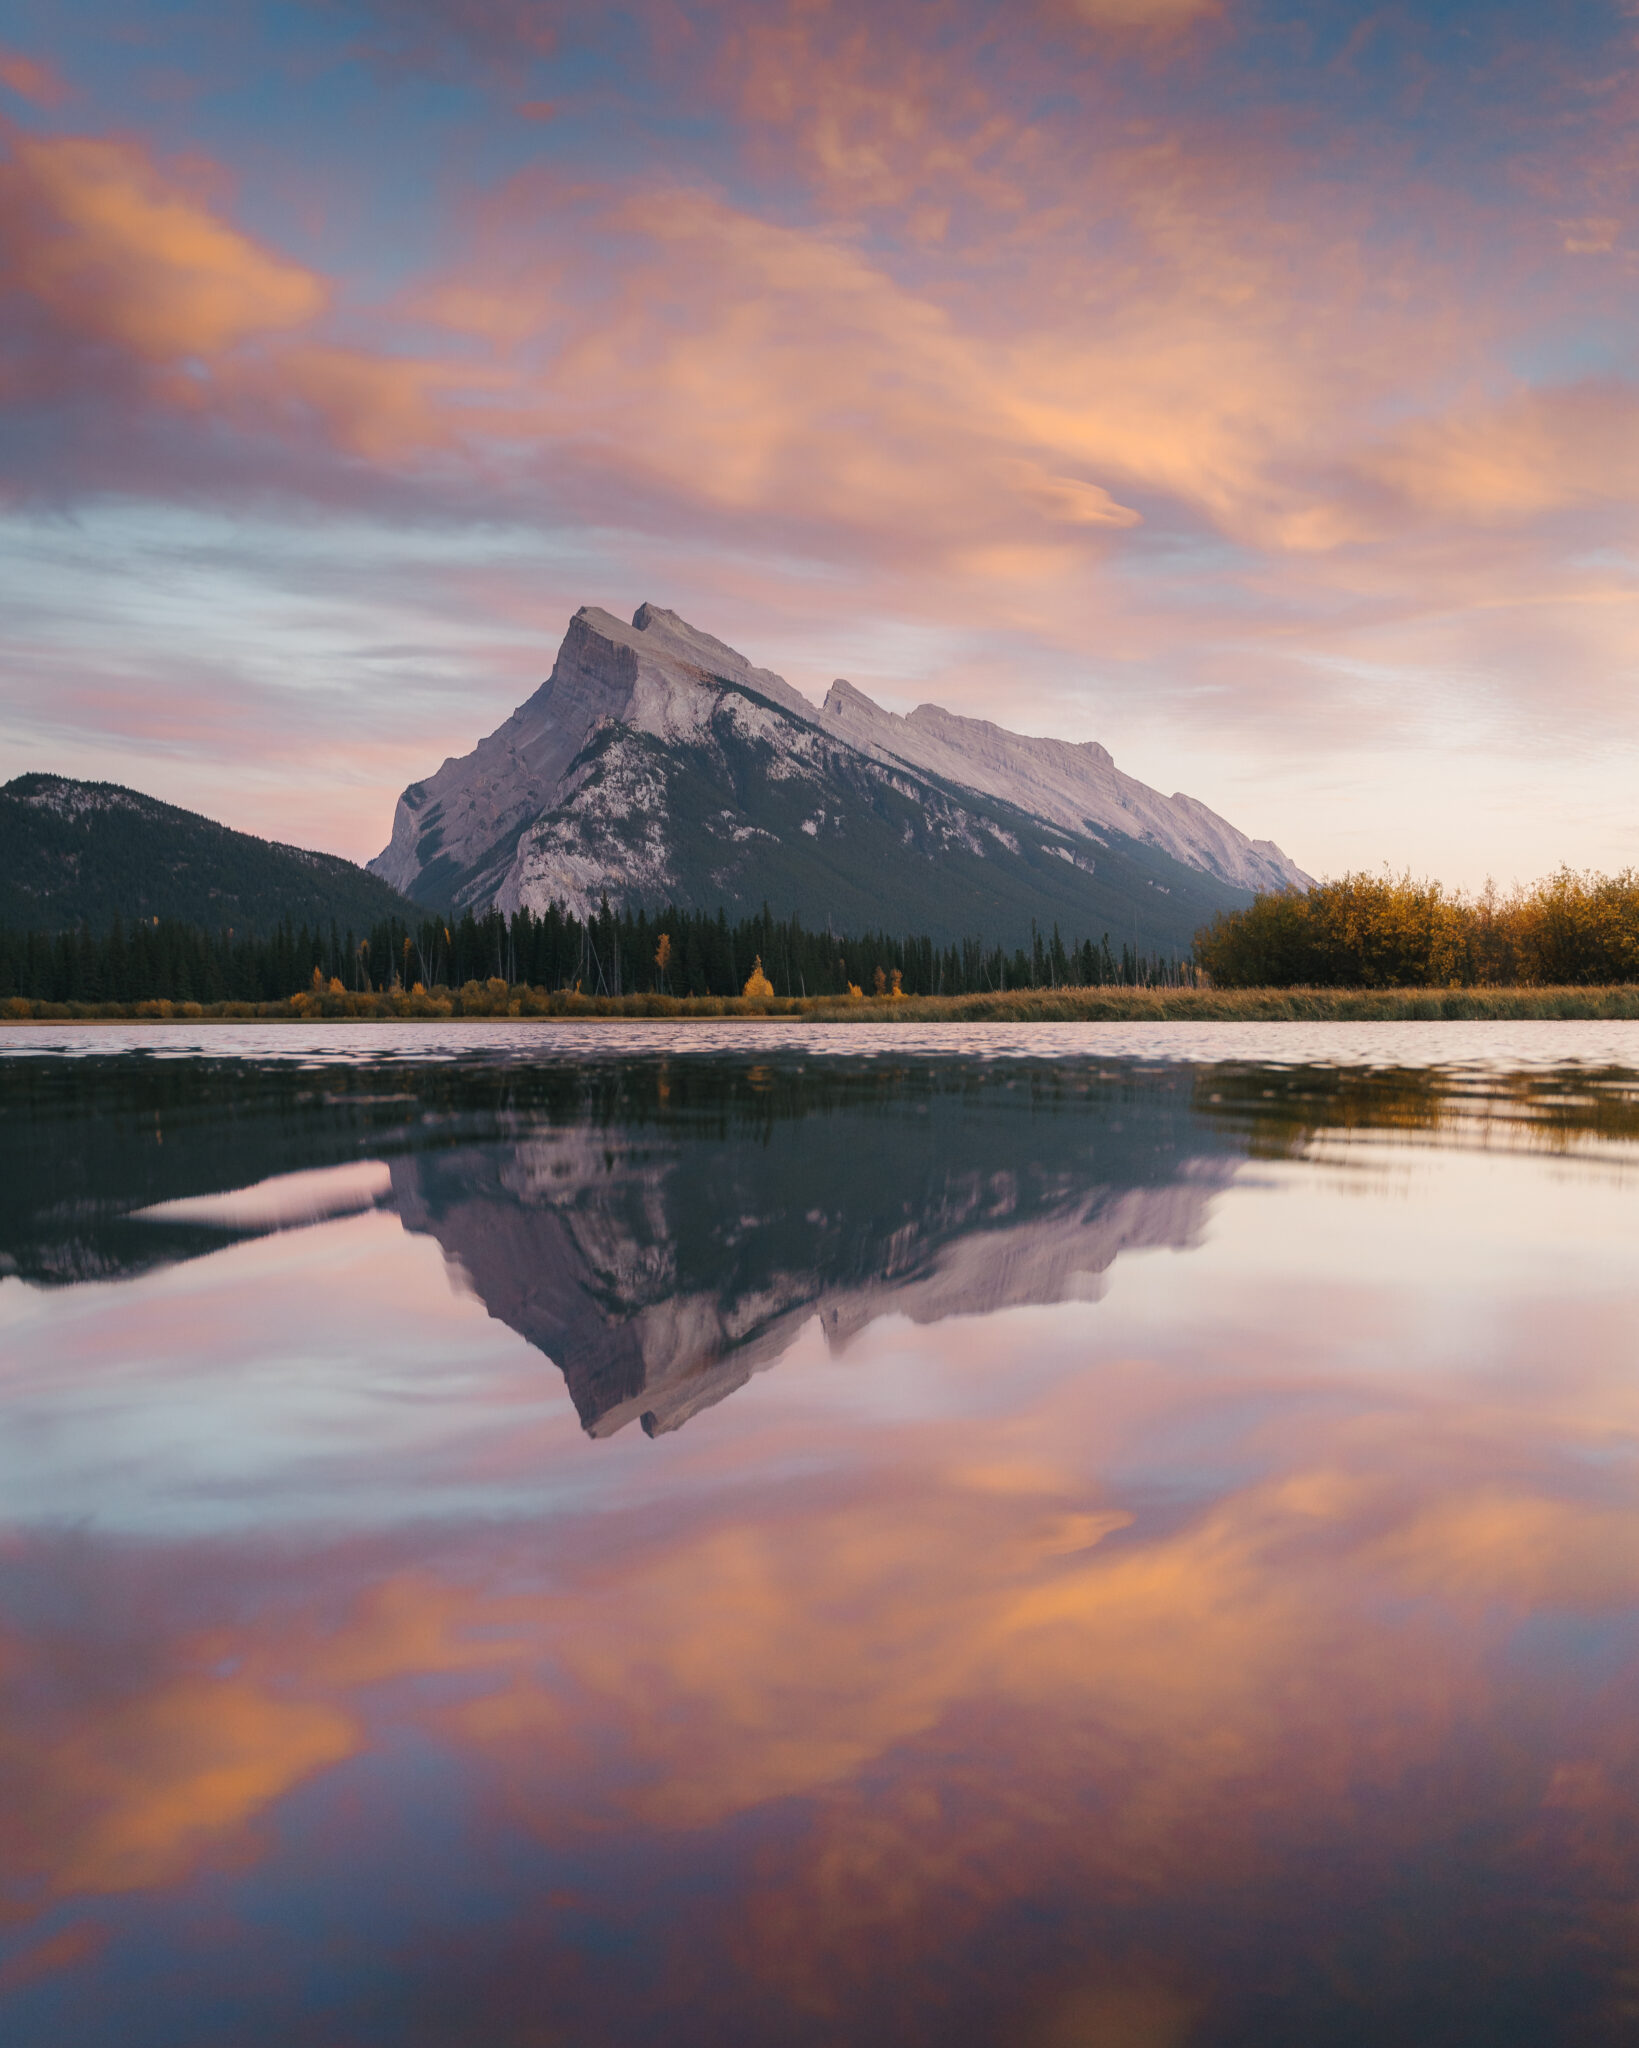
(665, 690)
(455, 834)
(844, 700)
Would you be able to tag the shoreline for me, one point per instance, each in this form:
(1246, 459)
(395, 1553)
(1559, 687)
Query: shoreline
(1107, 1005)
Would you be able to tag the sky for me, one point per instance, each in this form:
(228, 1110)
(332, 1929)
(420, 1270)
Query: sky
(1249, 385)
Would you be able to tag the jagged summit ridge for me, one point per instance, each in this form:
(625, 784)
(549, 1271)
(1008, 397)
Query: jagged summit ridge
(657, 763)
(1070, 783)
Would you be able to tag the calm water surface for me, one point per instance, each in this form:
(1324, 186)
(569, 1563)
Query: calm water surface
(1085, 1536)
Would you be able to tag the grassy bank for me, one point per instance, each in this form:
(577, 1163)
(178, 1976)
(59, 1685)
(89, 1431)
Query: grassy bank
(1024, 1006)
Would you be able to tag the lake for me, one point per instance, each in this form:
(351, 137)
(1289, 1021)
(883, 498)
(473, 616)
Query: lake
(1073, 1536)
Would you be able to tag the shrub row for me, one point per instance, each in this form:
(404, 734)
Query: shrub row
(1377, 931)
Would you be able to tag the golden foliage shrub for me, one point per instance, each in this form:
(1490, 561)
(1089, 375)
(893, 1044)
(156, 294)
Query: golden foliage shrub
(1383, 931)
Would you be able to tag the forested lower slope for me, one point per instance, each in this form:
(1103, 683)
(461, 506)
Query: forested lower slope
(74, 853)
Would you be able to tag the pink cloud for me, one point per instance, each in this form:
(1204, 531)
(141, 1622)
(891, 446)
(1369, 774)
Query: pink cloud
(32, 80)
(1205, 354)
(959, 324)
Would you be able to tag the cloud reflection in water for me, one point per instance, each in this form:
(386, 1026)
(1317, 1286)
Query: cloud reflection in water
(1249, 1656)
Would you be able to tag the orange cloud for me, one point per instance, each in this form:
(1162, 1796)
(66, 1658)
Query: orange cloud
(119, 252)
(1226, 364)
(764, 371)
(134, 1793)
(1536, 452)
(1168, 341)
(1162, 16)
(986, 1677)
(1055, 344)
(383, 408)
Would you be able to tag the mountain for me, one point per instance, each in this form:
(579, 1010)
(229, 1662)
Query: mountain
(656, 765)
(76, 853)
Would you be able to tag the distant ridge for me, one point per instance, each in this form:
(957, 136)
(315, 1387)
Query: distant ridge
(656, 765)
(75, 853)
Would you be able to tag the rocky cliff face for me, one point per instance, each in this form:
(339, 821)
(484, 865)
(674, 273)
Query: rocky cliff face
(457, 833)
(657, 764)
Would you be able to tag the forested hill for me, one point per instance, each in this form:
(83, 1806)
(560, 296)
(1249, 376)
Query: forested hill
(75, 853)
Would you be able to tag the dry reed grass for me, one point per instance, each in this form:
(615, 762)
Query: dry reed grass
(1020, 1006)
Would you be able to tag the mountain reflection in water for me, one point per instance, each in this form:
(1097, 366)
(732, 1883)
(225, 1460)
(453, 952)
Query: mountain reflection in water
(661, 1232)
(660, 1263)
(1245, 1656)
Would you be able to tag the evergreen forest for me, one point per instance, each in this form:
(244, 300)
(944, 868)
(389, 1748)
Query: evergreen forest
(624, 952)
